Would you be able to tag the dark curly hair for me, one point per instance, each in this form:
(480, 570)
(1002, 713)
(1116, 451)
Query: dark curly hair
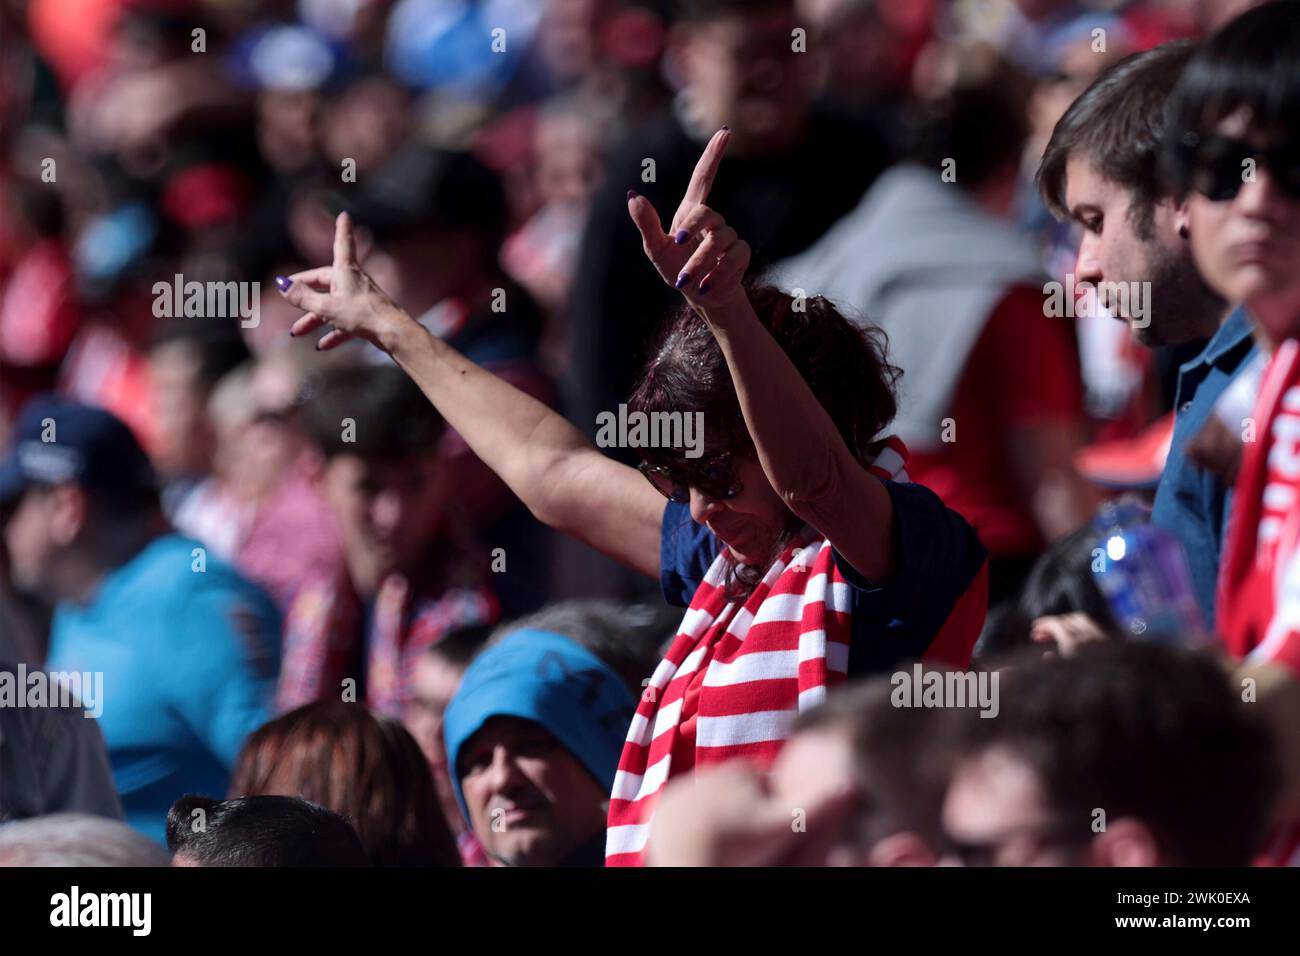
(844, 364)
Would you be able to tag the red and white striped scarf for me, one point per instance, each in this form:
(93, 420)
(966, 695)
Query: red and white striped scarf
(325, 635)
(736, 674)
(1259, 582)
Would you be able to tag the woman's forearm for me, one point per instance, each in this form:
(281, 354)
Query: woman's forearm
(562, 478)
(800, 449)
(517, 436)
(548, 464)
(794, 435)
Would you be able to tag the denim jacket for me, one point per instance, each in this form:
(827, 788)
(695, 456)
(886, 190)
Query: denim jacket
(1191, 503)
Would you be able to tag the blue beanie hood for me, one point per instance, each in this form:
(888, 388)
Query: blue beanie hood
(553, 681)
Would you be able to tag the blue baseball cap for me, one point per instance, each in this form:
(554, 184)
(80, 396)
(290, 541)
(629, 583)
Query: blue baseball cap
(57, 440)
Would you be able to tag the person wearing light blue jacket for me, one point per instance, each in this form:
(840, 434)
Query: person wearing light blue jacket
(184, 649)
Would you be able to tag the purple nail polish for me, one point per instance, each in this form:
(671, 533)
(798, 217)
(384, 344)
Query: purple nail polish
(704, 287)
(283, 283)
(680, 236)
(726, 129)
(682, 279)
(631, 194)
(292, 333)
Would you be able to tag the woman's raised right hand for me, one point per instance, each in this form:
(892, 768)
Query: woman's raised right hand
(343, 296)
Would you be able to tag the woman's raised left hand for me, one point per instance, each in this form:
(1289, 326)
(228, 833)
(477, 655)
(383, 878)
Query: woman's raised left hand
(701, 255)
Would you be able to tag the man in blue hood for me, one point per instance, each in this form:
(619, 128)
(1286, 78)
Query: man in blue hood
(533, 739)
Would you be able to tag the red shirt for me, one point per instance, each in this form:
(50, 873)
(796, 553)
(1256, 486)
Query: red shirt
(1024, 370)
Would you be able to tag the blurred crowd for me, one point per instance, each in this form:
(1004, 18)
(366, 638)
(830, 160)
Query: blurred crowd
(323, 621)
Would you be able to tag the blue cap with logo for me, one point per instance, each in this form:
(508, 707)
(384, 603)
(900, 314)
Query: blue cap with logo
(56, 440)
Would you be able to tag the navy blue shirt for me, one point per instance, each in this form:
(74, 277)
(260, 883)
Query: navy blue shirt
(937, 556)
(1191, 503)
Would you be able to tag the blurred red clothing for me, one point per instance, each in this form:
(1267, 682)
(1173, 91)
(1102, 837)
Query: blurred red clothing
(39, 314)
(1258, 607)
(471, 850)
(104, 369)
(332, 633)
(1024, 370)
(73, 36)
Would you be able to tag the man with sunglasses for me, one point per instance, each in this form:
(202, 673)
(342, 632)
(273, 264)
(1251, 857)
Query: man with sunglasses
(1101, 169)
(1233, 148)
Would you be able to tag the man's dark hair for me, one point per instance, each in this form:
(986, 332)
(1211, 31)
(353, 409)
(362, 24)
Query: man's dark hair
(900, 759)
(1118, 124)
(41, 207)
(980, 125)
(217, 347)
(1060, 582)
(115, 512)
(605, 628)
(1140, 730)
(1251, 63)
(393, 420)
(261, 831)
(461, 646)
(366, 767)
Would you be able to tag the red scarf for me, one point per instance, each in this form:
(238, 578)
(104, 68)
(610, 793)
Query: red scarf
(323, 637)
(1259, 582)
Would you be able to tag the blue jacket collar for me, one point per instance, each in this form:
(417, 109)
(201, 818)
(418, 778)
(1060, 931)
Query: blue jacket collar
(1235, 330)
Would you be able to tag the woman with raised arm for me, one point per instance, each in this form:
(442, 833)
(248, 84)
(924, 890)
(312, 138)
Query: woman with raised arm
(795, 540)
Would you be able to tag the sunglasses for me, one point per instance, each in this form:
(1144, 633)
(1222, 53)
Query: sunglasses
(985, 852)
(1217, 164)
(713, 476)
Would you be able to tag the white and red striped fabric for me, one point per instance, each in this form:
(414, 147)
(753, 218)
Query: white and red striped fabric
(1259, 582)
(736, 675)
